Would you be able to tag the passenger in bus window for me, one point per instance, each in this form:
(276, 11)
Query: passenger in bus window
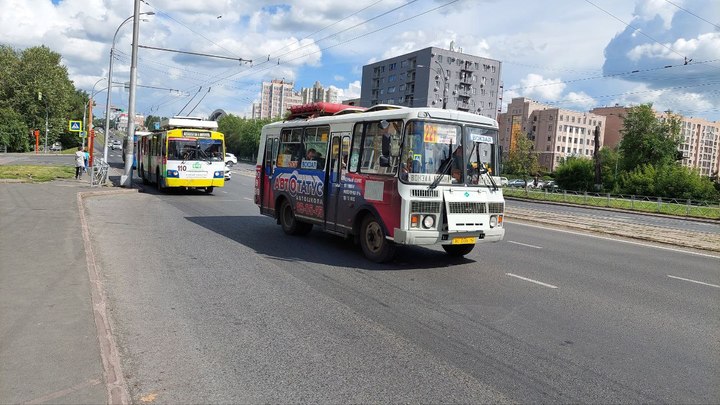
(311, 154)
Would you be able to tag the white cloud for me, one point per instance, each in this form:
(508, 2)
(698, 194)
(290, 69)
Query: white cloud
(352, 91)
(537, 87)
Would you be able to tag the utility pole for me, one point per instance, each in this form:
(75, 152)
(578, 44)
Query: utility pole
(126, 179)
(596, 152)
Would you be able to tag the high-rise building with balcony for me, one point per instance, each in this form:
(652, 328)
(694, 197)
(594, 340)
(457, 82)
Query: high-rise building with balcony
(318, 93)
(434, 77)
(276, 97)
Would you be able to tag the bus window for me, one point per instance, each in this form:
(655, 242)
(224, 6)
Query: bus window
(315, 141)
(290, 147)
(381, 145)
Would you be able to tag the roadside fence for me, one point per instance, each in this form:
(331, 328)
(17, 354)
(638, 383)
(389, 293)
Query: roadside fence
(669, 206)
(99, 172)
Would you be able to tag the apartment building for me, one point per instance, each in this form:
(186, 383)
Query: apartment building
(699, 138)
(275, 99)
(556, 133)
(434, 77)
(318, 93)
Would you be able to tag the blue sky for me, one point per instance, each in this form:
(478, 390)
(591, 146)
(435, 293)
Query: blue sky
(575, 54)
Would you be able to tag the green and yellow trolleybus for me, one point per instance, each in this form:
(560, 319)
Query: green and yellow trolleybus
(186, 152)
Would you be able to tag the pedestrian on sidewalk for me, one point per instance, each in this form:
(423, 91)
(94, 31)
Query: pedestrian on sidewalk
(79, 162)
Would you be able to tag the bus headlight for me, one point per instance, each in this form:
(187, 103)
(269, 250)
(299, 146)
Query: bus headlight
(493, 221)
(429, 221)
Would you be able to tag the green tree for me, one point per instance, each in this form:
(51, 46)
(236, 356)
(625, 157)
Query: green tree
(576, 173)
(37, 70)
(242, 136)
(522, 160)
(150, 121)
(648, 139)
(14, 134)
(609, 161)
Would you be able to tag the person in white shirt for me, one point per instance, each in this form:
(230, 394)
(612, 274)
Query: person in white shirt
(79, 162)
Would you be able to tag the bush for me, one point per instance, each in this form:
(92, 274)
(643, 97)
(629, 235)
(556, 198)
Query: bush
(672, 181)
(576, 174)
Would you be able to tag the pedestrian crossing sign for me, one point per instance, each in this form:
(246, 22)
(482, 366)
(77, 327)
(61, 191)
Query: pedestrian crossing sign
(75, 126)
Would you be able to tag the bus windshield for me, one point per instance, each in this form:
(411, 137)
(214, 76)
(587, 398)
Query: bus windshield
(440, 153)
(194, 149)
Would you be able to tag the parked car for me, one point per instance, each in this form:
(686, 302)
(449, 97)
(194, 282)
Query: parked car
(57, 147)
(550, 185)
(230, 159)
(516, 183)
(116, 144)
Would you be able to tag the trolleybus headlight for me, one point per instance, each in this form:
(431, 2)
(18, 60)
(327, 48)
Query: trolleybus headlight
(414, 221)
(173, 173)
(493, 221)
(429, 221)
(218, 175)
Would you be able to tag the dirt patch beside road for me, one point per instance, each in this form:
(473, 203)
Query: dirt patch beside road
(657, 234)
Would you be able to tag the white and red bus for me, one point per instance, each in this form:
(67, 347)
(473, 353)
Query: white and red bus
(186, 152)
(387, 176)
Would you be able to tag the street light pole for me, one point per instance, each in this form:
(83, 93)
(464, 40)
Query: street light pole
(126, 179)
(109, 80)
(442, 73)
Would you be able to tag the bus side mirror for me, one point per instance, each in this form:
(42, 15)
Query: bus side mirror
(384, 161)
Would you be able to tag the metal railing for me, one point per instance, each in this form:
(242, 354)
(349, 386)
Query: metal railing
(99, 172)
(669, 206)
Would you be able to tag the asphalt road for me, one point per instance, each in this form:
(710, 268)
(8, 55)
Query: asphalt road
(213, 303)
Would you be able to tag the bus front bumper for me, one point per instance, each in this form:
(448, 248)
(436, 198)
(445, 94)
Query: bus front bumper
(175, 182)
(430, 237)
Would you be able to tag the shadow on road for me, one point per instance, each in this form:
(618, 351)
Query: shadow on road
(267, 238)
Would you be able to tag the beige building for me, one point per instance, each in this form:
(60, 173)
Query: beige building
(318, 93)
(556, 133)
(699, 138)
(700, 145)
(276, 97)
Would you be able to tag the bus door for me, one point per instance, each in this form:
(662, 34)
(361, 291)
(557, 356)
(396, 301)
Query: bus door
(339, 152)
(266, 194)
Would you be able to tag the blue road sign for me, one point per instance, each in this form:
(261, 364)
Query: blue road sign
(75, 126)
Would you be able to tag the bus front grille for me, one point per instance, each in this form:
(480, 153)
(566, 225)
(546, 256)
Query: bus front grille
(425, 207)
(424, 193)
(496, 207)
(466, 207)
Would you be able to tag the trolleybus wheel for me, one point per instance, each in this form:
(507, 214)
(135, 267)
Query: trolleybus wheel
(458, 250)
(373, 242)
(159, 180)
(142, 175)
(209, 190)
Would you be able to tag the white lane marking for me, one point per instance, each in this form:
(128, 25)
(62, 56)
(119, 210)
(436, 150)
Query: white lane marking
(247, 198)
(531, 280)
(618, 240)
(525, 244)
(694, 281)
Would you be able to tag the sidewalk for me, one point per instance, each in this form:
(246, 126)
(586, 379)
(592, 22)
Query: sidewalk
(50, 351)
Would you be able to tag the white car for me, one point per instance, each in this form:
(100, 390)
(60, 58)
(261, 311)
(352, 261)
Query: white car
(116, 144)
(230, 159)
(228, 173)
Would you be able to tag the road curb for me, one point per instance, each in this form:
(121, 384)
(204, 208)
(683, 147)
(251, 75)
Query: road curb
(116, 386)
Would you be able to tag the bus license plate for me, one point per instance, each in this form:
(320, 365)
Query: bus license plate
(463, 241)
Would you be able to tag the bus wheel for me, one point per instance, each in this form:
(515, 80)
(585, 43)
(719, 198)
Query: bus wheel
(373, 242)
(458, 250)
(289, 223)
(209, 190)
